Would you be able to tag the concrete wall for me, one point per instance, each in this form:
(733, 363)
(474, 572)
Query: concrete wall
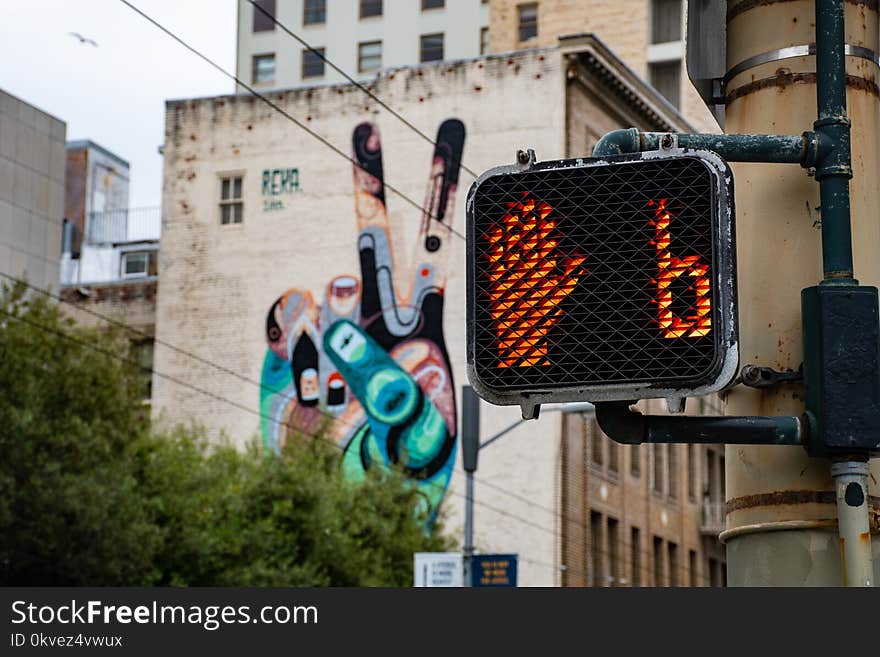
(131, 302)
(398, 28)
(32, 159)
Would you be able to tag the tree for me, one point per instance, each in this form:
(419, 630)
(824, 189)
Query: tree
(90, 496)
(70, 512)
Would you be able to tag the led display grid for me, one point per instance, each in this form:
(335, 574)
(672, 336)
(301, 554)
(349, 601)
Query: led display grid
(596, 275)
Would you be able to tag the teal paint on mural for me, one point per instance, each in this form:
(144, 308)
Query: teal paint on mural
(280, 181)
(366, 367)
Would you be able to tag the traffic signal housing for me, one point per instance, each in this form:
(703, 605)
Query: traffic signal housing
(602, 279)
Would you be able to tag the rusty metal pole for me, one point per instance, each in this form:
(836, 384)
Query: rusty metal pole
(851, 478)
(782, 506)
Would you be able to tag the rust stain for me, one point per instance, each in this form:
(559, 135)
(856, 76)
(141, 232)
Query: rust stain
(785, 79)
(843, 557)
(793, 497)
(747, 5)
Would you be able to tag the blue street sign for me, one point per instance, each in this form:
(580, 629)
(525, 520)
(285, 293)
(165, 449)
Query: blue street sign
(493, 570)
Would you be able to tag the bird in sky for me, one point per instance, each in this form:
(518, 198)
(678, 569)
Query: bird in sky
(83, 39)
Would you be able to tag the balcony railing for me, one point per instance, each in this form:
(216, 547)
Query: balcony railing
(713, 518)
(124, 225)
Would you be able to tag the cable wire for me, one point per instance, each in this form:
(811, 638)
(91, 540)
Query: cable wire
(299, 430)
(287, 115)
(348, 77)
(83, 343)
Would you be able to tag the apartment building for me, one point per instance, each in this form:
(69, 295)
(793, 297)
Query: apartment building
(640, 515)
(280, 261)
(110, 251)
(361, 37)
(32, 158)
(649, 35)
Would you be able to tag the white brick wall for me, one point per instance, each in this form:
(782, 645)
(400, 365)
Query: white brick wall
(217, 283)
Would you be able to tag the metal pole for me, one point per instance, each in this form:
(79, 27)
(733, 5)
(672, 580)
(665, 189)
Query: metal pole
(780, 502)
(470, 447)
(851, 480)
(468, 548)
(835, 169)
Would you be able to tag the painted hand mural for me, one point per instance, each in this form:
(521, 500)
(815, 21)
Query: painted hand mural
(369, 365)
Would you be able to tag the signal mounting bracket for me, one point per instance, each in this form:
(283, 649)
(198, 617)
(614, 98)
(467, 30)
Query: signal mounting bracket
(531, 357)
(525, 159)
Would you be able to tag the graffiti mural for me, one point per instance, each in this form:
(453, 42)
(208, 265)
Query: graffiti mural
(368, 365)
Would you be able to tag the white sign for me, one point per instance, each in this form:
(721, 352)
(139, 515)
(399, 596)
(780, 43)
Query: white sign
(438, 569)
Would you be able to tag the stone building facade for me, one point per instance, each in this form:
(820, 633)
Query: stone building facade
(646, 34)
(281, 265)
(640, 515)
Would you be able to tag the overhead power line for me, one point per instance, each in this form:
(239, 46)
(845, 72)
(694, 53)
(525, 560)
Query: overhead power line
(348, 77)
(286, 114)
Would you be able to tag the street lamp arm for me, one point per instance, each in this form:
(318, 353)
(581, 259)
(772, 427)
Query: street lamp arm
(501, 433)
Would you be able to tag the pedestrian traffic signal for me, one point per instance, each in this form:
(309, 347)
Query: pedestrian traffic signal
(602, 279)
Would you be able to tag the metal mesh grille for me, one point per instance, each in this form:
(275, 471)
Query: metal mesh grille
(621, 254)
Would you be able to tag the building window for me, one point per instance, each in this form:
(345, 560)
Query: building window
(313, 63)
(528, 21)
(614, 578)
(692, 472)
(635, 461)
(371, 8)
(613, 458)
(665, 77)
(314, 12)
(658, 562)
(716, 573)
(433, 4)
(138, 264)
(431, 48)
(369, 56)
(262, 22)
(665, 21)
(597, 563)
(135, 264)
(263, 69)
(143, 353)
(231, 205)
(484, 40)
(635, 556)
(692, 568)
(672, 470)
(657, 468)
(672, 550)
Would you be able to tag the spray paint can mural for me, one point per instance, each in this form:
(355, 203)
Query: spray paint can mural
(369, 367)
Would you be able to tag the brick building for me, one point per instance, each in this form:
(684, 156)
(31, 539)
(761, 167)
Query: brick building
(646, 34)
(260, 220)
(640, 515)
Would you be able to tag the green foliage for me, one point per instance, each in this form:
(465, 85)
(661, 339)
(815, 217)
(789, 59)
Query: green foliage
(90, 496)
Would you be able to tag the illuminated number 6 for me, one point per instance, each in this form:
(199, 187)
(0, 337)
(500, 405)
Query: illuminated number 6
(694, 325)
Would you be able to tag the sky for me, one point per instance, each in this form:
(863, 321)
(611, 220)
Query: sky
(114, 94)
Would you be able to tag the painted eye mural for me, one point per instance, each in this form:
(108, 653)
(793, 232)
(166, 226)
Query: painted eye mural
(369, 366)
